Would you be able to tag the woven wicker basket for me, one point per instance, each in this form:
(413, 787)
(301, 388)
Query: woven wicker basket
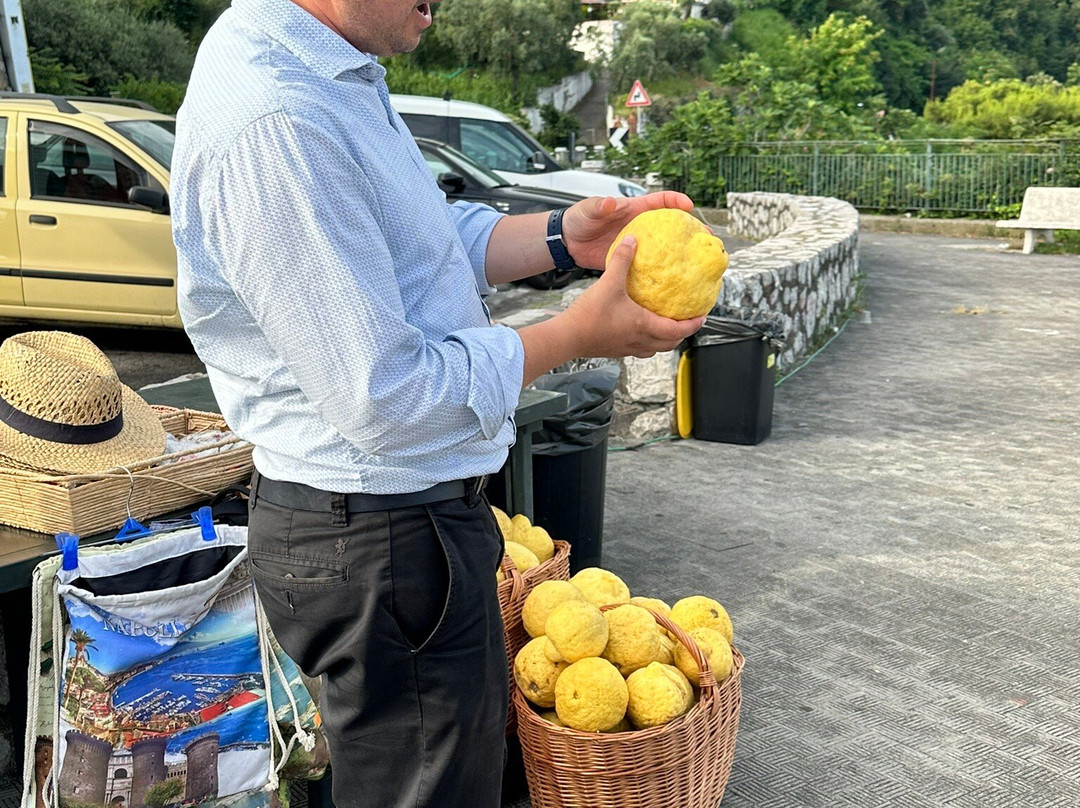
(555, 568)
(684, 763)
(90, 503)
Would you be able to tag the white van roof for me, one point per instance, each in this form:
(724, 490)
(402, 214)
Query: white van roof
(429, 105)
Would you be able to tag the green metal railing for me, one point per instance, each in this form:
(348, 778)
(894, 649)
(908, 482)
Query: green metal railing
(928, 175)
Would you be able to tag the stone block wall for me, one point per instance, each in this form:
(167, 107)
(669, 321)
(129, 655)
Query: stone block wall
(804, 272)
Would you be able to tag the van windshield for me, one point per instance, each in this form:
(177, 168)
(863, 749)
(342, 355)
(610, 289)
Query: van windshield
(501, 146)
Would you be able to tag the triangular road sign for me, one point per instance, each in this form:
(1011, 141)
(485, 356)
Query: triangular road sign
(638, 97)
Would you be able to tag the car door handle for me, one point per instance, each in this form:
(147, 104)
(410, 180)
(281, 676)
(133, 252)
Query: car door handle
(37, 218)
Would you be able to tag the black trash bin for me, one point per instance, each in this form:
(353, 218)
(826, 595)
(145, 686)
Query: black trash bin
(732, 376)
(569, 460)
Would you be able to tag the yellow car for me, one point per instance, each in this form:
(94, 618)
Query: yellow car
(84, 211)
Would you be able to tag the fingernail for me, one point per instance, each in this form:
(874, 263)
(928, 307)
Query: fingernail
(629, 241)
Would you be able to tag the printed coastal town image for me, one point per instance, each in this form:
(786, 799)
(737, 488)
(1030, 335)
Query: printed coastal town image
(162, 714)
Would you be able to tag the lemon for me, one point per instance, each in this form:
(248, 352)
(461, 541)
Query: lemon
(623, 726)
(653, 604)
(539, 603)
(506, 527)
(657, 694)
(550, 651)
(523, 558)
(716, 649)
(666, 655)
(591, 695)
(576, 629)
(633, 638)
(601, 587)
(521, 525)
(535, 674)
(552, 717)
(698, 610)
(537, 540)
(679, 264)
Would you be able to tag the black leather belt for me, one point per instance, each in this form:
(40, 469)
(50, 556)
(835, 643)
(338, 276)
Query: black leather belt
(305, 498)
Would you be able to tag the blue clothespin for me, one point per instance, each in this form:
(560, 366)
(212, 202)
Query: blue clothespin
(204, 518)
(131, 529)
(68, 544)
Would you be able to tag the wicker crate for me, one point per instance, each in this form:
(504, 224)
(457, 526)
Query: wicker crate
(686, 762)
(90, 503)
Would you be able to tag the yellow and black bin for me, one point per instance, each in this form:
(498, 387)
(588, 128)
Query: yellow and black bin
(725, 381)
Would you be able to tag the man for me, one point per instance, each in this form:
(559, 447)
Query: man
(337, 303)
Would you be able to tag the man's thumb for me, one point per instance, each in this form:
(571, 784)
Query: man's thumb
(618, 263)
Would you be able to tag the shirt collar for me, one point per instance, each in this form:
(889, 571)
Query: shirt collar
(322, 50)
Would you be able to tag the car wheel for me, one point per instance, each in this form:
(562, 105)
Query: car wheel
(555, 278)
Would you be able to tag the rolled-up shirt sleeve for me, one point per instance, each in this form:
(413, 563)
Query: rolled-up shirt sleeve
(474, 223)
(305, 253)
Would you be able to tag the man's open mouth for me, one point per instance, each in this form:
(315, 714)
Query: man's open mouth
(424, 10)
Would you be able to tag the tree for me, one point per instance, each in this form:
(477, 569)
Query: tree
(511, 37)
(1039, 107)
(106, 42)
(82, 642)
(164, 793)
(654, 42)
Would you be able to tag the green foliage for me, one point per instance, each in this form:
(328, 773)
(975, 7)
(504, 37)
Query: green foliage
(501, 92)
(106, 41)
(53, 76)
(164, 793)
(558, 126)
(511, 37)
(655, 42)
(1010, 108)
(164, 96)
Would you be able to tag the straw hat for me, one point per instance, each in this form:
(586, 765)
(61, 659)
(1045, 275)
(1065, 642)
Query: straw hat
(63, 409)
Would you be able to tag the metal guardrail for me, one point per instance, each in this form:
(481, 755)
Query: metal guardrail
(929, 175)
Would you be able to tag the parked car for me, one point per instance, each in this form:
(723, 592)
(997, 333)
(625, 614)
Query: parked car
(491, 138)
(463, 179)
(85, 234)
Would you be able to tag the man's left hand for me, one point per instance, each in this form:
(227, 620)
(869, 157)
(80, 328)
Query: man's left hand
(590, 226)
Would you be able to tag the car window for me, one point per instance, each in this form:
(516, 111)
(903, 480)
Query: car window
(157, 138)
(498, 145)
(437, 166)
(71, 164)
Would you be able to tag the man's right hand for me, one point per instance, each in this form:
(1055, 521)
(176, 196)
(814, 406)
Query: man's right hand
(603, 321)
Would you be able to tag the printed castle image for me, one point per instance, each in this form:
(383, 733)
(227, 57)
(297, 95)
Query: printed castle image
(94, 772)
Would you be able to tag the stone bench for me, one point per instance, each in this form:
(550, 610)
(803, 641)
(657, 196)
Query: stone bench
(1043, 211)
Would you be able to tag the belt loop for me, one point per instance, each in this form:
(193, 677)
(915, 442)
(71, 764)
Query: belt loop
(253, 494)
(339, 514)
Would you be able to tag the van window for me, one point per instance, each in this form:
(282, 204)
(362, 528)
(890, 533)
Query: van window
(435, 127)
(500, 146)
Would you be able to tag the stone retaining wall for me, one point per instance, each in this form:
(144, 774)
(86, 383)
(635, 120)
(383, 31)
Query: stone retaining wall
(804, 272)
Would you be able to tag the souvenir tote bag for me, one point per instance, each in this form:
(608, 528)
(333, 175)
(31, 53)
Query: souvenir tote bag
(167, 687)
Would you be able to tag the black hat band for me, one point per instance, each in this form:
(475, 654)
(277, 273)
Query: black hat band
(59, 433)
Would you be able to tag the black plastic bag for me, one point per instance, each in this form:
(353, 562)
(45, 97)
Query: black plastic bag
(589, 386)
(721, 330)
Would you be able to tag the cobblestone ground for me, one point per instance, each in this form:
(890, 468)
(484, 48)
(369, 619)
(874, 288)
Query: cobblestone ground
(902, 556)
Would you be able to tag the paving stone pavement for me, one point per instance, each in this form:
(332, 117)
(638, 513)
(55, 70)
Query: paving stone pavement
(901, 558)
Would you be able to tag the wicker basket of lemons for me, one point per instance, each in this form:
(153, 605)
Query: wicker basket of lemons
(625, 702)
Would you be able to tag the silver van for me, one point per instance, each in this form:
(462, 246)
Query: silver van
(492, 139)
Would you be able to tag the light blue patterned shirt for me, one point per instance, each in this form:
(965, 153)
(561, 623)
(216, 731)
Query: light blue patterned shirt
(332, 293)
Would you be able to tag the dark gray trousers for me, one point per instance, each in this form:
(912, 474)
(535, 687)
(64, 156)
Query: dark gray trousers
(396, 611)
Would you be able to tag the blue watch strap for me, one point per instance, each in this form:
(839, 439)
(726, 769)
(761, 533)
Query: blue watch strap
(556, 246)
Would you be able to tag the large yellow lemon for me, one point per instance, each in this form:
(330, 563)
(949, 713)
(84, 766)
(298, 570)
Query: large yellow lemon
(679, 264)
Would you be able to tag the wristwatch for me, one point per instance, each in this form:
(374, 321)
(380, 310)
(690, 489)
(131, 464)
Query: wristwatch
(556, 246)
